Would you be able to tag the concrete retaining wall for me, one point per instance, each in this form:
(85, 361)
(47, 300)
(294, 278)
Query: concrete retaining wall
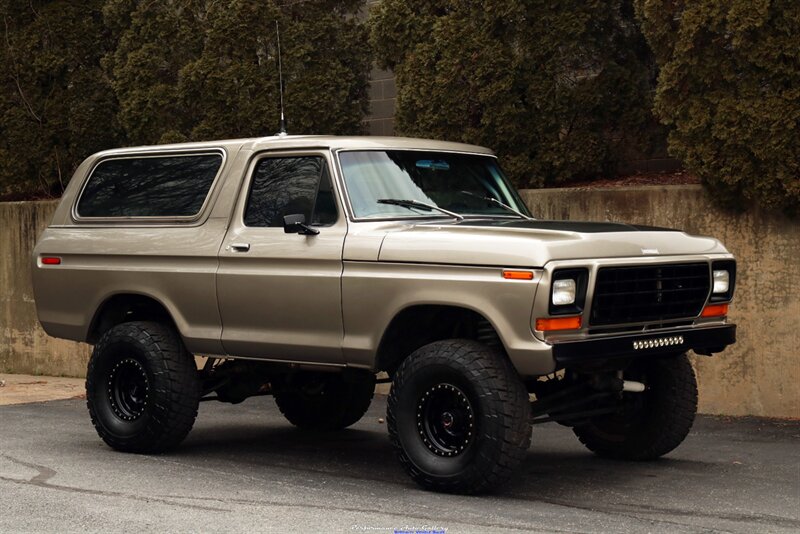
(759, 376)
(24, 346)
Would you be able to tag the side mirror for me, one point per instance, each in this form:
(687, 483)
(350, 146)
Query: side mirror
(296, 224)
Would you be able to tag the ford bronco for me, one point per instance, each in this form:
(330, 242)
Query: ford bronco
(304, 267)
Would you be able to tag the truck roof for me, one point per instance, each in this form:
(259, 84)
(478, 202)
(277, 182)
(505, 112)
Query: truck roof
(310, 141)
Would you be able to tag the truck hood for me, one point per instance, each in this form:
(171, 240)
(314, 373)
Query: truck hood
(515, 243)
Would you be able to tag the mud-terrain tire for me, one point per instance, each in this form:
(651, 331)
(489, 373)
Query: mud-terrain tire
(142, 388)
(327, 401)
(458, 417)
(653, 422)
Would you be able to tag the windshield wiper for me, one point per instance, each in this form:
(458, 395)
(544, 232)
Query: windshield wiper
(407, 203)
(498, 203)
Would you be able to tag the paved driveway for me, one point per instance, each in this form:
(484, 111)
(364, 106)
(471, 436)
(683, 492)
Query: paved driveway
(243, 468)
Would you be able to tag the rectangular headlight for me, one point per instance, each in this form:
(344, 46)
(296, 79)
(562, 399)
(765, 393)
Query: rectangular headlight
(568, 291)
(564, 292)
(722, 281)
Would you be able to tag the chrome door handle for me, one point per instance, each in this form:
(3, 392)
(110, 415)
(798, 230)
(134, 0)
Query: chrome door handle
(240, 247)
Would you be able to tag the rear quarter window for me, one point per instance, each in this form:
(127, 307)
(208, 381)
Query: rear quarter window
(149, 186)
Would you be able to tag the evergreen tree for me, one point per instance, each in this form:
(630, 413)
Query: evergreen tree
(559, 89)
(56, 106)
(234, 82)
(729, 89)
(197, 70)
(78, 77)
(154, 41)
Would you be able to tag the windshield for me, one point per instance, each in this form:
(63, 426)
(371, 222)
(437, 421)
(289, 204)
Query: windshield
(455, 182)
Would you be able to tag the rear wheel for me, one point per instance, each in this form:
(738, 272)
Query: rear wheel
(326, 401)
(142, 388)
(649, 424)
(458, 417)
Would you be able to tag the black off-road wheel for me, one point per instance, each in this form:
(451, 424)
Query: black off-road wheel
(142, 388)
(649, 424)
(458, 417)
(326, 401)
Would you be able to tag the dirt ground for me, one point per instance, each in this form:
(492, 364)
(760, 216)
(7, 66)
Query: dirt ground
(22, 389)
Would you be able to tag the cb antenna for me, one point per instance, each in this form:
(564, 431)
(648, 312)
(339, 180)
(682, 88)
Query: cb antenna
(282, 123)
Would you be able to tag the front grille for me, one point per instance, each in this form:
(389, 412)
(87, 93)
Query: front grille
(649, 293)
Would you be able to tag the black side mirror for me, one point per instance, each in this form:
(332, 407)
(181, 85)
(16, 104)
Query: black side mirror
(296, 224)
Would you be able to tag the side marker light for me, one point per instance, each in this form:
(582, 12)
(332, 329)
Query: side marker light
(558, 323)
(518, 275)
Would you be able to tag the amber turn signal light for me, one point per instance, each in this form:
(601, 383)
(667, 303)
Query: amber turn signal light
(558, 323)
(518, 275)
(715, 310)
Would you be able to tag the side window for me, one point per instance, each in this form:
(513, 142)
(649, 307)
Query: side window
(288, 186)
(149, 186)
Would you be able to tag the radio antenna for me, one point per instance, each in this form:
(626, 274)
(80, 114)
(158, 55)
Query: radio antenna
(282, 123)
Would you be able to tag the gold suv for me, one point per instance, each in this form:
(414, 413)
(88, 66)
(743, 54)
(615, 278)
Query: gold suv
(302, 266)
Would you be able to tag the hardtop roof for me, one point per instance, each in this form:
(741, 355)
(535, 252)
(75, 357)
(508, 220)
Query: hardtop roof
(308, 141)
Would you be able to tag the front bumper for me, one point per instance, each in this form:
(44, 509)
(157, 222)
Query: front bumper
(705, 340)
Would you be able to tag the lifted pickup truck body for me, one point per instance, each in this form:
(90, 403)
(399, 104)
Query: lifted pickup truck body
(364, 285)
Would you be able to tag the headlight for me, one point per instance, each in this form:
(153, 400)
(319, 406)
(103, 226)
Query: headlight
(564, 292)
(568, 291)
(722, 282)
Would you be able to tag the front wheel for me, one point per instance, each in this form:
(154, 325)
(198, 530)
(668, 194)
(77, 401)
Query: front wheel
(648, 424)
(142, 388)
(458, 417)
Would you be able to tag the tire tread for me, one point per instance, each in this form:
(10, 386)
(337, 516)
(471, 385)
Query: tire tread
(175, 406)
(671, 422)
(512, 433)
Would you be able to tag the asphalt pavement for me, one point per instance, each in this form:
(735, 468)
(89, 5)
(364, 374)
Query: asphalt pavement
(244, 469)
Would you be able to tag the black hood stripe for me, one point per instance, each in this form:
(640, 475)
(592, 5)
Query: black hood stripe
(585, 227)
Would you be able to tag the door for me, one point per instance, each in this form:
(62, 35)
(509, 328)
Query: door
(280, 294)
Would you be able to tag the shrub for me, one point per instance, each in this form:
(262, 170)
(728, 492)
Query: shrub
(153, 42)
(729, 89)
(78, 77)
(559, 89)
(208, 70)
(56, 104)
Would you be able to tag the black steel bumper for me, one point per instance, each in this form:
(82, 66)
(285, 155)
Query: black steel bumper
(703, 340)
